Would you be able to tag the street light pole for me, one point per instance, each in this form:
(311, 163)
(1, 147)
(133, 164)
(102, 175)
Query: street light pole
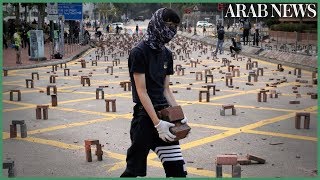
(195, 24)
(94, 15)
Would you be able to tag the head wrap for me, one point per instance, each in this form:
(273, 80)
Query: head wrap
(158, 33)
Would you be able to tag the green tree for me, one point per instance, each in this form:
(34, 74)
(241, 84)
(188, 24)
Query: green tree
(42, 13)
(107, 11)
(27, 8)
(17, 13)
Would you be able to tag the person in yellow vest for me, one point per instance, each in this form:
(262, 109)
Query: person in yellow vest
(17, 43)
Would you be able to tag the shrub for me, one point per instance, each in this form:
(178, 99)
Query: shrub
(291, 27)
(272, 21)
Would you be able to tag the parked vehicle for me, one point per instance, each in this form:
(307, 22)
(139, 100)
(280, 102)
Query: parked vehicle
(139, 18)
(120, 25)
(200, 24)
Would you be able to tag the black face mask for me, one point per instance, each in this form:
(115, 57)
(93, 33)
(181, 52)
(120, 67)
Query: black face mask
(158, 33)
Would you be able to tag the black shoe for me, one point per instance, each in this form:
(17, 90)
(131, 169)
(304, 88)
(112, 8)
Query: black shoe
(127, 174)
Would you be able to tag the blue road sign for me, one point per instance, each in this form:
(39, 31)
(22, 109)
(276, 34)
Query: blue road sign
(71, 11)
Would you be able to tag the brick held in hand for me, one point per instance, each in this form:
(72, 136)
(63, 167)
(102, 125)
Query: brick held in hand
(172, 114)
(175, 115)
(180, 130)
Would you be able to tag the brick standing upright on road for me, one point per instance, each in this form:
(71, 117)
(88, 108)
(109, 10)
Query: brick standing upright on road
(150, 66)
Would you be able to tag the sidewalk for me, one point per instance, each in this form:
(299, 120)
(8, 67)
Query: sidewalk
(275, 56)
(9, 56)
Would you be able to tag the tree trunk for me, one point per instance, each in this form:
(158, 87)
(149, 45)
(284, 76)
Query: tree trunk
(41, 14)
(39, 26)
(25, 13)
(17, 12)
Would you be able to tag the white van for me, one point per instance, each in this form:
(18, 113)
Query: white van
(200, 24)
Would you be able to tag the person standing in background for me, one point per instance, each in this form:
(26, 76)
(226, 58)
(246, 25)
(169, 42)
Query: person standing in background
(246, 31)
(137, 29)
(17, 43)
(256, 37)
(220, 40)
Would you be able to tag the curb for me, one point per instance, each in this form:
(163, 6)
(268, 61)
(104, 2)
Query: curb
(294, 65)
(49, 63)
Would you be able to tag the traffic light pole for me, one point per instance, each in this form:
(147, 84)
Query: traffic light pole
(52, 37)
(220, 8)
(195, 23)
(222, 21)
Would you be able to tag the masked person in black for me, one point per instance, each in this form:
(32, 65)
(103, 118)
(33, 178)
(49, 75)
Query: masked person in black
(150, 66)
(235, 47)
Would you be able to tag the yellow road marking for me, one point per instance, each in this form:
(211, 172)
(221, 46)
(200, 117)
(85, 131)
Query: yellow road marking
(23, 91)
(108, 114)
(17, 103)
(29, 105)
(128, 95)
(12, 82)
(211, 127)
(59, 127)
(238, 106)
(282, 135)
(119, 165)
(109, 154)
(98, 83)
(249, 127)
(77, 100)
(93, 93)
(5, 135)
(47, 142)
(18, 108)
(85, 111)
(247, 92)
(274, 64)
(35, 88)
(190, 170)
(221, 90)
(292, 136)
(239, 130)
(209, 139)
(276, 119)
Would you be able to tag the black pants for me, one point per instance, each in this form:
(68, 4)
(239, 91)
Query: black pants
(234, 48)
(28, 43)
(5, 44)
(245, 36)
(256, 42)
(144, 137)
